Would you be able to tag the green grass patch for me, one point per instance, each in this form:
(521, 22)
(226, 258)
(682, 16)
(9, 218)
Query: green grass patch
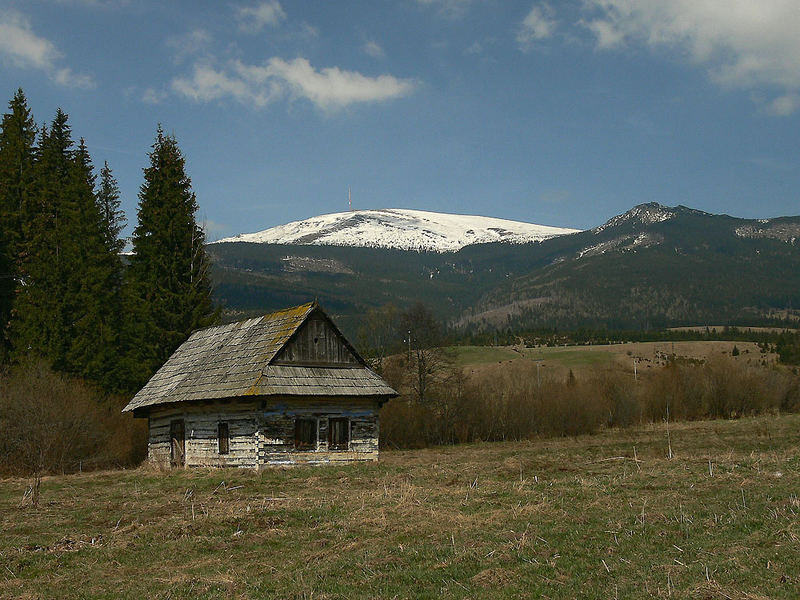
(476, 355)
(571, 358)
(567, 357)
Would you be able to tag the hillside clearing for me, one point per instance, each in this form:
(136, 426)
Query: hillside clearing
(599, 516)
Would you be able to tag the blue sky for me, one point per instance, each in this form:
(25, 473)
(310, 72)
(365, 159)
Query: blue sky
(561, 113)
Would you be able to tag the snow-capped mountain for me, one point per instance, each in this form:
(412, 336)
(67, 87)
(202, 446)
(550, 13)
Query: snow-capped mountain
(648, 214)
(402, 229)
(652, 265)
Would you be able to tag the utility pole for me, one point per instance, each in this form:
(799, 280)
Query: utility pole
(538, 362)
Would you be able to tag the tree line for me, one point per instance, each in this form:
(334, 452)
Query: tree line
(68, 296)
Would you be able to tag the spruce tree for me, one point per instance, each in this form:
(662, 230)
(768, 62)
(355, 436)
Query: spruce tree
(107, 368)
(113, 219)
(169, 271)
(92, 293)
(6, 291)
(17, 155)
(40, 323)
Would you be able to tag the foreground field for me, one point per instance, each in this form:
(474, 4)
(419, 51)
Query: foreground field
(601, 516)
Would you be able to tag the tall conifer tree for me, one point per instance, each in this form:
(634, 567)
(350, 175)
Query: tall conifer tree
(169, 270)
(93, 279)
(111, 334)
(41, 322)
(113, 218)
(17, 155)
(6, 291)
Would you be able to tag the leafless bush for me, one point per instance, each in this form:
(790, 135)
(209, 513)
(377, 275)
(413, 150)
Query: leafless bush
(54, 424)
(619, 396)
(516, 403)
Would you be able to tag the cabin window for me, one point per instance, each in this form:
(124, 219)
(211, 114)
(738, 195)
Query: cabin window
(305, 434)
(339, 434)
(223, 438)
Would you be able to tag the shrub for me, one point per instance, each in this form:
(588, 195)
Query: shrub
(55, 424)
(514, 403)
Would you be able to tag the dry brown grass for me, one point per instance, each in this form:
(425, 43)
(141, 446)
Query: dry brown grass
(558, 361)
(598, 516)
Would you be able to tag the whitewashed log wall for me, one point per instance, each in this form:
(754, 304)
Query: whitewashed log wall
(262, 431)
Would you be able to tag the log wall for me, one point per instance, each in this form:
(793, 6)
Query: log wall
(261, 431)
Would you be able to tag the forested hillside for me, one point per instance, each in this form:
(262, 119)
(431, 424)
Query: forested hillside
(651, 267)
(656, 267)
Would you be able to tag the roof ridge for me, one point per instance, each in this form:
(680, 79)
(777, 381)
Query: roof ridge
(307, 306)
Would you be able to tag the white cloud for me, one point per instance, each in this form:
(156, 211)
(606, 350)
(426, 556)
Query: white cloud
(253, 19)
(188, 44)
(741, 43)
(208, 84)
(607, 35)
(66, 77)
(308, 32)
(449, 8)
(538, 25)
(21, 47)
(258, 85)
(481, 46)
(154, 96)
(333, 88)
(783, 106)
(373, 49)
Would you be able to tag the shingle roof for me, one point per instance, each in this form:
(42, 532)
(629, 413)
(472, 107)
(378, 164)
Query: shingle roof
(234, 360)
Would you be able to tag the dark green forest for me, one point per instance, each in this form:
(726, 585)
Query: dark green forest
(79, 329)
(67, 299)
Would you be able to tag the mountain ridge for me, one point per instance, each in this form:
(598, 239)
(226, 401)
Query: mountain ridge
(651, 266)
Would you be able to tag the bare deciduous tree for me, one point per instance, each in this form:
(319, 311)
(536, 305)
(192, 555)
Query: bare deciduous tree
(427, 361)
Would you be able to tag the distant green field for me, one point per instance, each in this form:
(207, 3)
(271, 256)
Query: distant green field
(573, 357)
(475, 355)
(570, 357)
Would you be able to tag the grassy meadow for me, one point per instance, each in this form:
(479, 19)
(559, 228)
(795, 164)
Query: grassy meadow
(559, 360)
(601, 516)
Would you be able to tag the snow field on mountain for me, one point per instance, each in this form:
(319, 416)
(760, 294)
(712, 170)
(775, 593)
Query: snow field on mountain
(402, 229)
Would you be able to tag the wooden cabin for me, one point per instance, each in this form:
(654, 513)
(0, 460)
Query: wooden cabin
(286, 388)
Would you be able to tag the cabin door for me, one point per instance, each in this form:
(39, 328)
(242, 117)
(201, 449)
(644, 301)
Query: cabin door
(177, 454)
